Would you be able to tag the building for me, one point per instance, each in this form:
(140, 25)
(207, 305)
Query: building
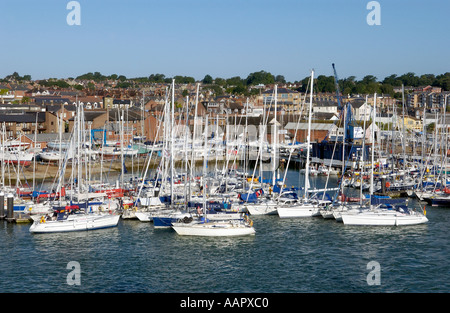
(287, 99)
(319, 131)
(362, 111)
(411, 123)
(23, 123)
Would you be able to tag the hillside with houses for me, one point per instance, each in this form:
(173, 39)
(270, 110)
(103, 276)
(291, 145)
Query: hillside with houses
(31, 107)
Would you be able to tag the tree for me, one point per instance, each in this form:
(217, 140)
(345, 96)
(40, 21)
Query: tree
(216, 89)
(239, 89)
(369, 79)
(207, 80)
(2, 93)
(157, 78)
(122, 84)
(325, 84)
(234, 81)
(427, 79)
(220, 81)
(410, 79)
(443, 81)
(280, 79)
(392, 80)
(184, 79)
(261, 77)
(387, 89)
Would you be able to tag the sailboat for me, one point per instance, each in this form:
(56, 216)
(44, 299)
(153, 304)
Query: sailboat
(71, 217)
(380, 215)
(203, 226)
(73, 220)
(398, 216)
(306, 207)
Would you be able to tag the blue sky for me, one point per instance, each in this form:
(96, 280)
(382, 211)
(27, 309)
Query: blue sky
(224, 38)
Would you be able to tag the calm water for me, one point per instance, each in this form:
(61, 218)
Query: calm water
(285, 256)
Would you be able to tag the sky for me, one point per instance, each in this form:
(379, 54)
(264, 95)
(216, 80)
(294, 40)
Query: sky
(224, 38)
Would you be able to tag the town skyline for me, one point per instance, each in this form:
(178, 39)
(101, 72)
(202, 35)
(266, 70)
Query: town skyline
(224, 38)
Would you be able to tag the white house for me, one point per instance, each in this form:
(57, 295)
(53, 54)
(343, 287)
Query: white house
(362, 111)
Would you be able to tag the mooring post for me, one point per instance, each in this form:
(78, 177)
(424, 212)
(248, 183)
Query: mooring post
(10, 208)
(2, 206)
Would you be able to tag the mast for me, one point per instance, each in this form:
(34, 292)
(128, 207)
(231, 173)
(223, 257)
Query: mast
(362, 155)
(308, 137)
(205, 165)
(373, 141)
(186, 136)
(79, 168)
(34, 158)
(172, 142)
(403, 128)
(193, 136)
(121, 147)
(275, 139)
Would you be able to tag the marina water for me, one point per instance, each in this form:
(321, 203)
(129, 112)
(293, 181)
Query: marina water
(303, 255)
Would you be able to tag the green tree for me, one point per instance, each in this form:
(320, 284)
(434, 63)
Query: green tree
(280, 79)
(325, 84)
(123, 84)
(234, 81)
(427, 79)
(220, 81)
(207, 80)
(443, 81)
(184, 79)
(157, 78)
(410, 79)
(369, 79)
(392, 80)
(261, 77)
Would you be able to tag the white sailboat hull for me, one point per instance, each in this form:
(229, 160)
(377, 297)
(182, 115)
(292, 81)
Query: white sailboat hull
(383, 219)
(82, 222)
(213, 229)
(262, 209)
(50, 156)
(143, 216)
(327, 213)
(301, 210)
